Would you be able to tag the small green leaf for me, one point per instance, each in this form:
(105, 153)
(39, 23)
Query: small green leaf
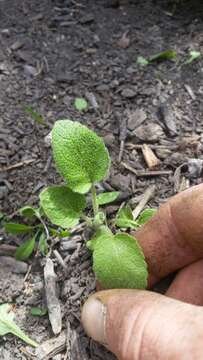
(80, 104)
(107, 197)
(35, 115)
(80, 155)
(63, 233)
(29, 212)
(193, 56)
(25, 250)
(124, 218)
(99, 219)
(118, 261)
(146, 216)
(142, 61)
(15, 228)
(62, 206)
(1, 216)
(36, 311)
(163, 55)
(7, 325)
(43, 244)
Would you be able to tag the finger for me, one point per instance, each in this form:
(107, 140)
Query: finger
(136, 325)
(173, 239)
(188, 284)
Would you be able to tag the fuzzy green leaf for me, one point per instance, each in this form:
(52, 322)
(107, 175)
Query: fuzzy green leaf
(7, 325)
(118, 261)
(15, 228)
(80, 155)
(124, 218)
(146, 216)
(80, 104)
(107, 197)
(25, 250)
(36, 311)
(62, 206)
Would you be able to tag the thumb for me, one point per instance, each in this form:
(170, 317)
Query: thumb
(137, 324)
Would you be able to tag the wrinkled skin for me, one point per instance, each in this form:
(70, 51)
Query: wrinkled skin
(141, 325)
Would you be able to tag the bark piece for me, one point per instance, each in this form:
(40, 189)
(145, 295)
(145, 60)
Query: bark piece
(51, 347)
(152, 161)
(53, 304)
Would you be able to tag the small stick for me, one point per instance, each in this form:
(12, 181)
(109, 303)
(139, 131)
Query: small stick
(128, 167)
(122, 145)
(17, 165)
(139, 173)
(60, 259)
(154, 173)
(190, 92)
(122, 137)
(148, 194)
(53, 304)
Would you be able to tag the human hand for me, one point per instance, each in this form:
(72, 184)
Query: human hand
(136, 324)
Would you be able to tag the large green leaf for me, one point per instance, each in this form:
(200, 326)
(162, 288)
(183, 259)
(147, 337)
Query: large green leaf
(118, 261)
(7, 325)
(62, 206)
(80, 155)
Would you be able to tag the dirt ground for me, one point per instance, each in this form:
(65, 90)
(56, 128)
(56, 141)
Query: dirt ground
(54, 51)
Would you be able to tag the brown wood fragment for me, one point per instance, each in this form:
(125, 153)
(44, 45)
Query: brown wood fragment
(51, 347)
(151, 160)
(53, 304)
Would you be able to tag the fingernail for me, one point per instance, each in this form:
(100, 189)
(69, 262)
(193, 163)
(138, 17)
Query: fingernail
(93, 319)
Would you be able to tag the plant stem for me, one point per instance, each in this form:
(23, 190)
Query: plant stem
(94, 200)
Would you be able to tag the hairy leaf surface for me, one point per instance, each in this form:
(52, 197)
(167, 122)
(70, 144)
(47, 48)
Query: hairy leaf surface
(118, 261)
(80, 155)
(107, 197)
(62, 206)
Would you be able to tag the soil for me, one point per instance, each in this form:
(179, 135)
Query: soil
(54, 51)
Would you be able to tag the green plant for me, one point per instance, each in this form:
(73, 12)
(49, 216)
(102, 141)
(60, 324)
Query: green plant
(83, 160)
(161, 56)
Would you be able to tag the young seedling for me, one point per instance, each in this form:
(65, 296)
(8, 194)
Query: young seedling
(161, 56)
(83, 160)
